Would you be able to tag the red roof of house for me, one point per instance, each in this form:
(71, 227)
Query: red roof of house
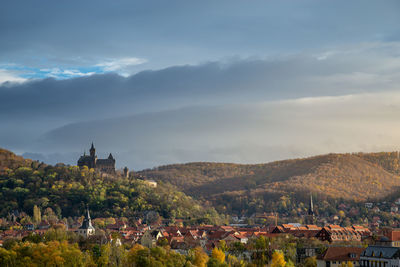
(393, 235)
(341, 254)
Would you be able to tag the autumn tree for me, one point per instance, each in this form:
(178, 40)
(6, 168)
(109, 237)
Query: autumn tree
(198, 257)
(278, 259)
(310, 262)
(218, 255)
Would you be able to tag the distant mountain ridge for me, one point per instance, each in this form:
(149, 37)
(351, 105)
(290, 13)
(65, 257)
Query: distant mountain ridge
(356, 177)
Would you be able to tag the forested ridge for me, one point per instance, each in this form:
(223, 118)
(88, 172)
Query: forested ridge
(238, 188)
(67, 189)
(209, 189)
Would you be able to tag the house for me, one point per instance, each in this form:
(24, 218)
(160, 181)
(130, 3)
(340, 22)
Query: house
(242, 238)
(368, 205)
(149, 238)
(335, 256)
(334, 233)
(43, 225)
(117, 226)
(380, 256)
(29, 226)
(390, 238)
(192, 239)
(307, 231)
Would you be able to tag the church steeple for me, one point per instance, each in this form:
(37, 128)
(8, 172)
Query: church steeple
(310, 217)
(86, 228)
(311, 207)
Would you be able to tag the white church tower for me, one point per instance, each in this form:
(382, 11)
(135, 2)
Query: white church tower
(86, 228)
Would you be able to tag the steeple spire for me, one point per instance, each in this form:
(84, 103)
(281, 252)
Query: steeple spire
(88, 214)
(311, 208)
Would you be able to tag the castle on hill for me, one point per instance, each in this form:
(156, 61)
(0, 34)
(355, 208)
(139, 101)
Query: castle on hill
(91, 161)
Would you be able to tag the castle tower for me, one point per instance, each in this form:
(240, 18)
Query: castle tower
(86, 228)
(92, 151)
(126, 172)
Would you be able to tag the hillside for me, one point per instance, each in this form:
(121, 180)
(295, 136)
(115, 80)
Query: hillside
(66, 190)
(352, 177)
(9, 160)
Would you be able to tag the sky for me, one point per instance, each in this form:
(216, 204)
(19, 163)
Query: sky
(161, 82)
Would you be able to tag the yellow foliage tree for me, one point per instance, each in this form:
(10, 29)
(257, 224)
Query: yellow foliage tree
(218, 255)
(200, 258)
(342, 214)
(278, 260)
(310, 262)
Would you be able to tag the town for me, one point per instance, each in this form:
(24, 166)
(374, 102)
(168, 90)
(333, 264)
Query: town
(329, 245)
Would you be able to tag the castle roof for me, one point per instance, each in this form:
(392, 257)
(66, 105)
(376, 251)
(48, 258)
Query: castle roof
(103, 162)
(85, 157)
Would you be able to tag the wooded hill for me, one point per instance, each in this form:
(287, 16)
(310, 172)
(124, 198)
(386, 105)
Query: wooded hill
(351, 177)
(67, 189)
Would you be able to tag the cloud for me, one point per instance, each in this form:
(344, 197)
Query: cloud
(108, 95)
(15, 72)
(63, 73)
(10, 76)
(160, 31)
(120, 65)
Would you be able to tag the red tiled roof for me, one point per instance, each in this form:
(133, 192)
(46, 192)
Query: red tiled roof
(341, 254)
(393, 235)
